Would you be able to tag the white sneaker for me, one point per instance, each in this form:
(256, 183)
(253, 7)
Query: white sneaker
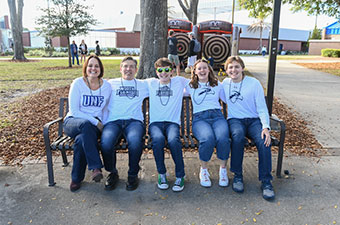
(204, 178)
(162, 182)
(223, 181)
(179, 184)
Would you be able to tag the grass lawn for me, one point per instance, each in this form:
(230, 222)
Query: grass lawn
(43, 74)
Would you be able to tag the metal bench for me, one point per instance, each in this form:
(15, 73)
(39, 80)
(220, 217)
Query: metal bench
(64, 143)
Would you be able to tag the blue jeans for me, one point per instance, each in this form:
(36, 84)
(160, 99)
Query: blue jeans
(75, 55)
(211, 130)
(85, 146)
(251, 128)
(133, 131)
(159, 132)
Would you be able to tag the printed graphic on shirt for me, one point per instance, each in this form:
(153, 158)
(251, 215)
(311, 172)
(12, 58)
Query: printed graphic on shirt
(164, 91)
(205, 91)
(128, 91)
(90, 100)
(235, 92)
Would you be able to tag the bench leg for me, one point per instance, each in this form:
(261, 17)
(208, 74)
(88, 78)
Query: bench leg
(50, 167)
(279, 161)
(63, 154)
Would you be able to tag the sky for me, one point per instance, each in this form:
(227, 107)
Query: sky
(121, 13)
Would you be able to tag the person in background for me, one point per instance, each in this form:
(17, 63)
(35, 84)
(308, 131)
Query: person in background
(172, 51)
(88, 98)
(209, 125)
(74, 52)
(83, 51)
(264, 50)
(97, 52)
(247, 117)
(192, 55)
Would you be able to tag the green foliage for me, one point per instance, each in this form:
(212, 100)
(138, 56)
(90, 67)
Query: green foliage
(65, 18)
(259, 9)
(113, 51)
(316, 34)
(329, 52)
(330, 8)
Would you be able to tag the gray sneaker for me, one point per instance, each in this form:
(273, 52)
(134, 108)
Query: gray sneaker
(267, 191)
(238, 184)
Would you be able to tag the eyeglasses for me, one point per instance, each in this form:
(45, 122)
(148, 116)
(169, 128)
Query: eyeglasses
(161, 70)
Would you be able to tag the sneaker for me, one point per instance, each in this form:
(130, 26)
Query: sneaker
(238, 184)
(162, 182)
(97, 175)
(179, 184)
(223, 181)
(204, 178)
(267, 190)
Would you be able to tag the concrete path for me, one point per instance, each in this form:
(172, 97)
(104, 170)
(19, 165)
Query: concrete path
(309, 195)
(312, 94)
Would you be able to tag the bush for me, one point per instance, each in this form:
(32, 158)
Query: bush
(330, 52)
(113, 51)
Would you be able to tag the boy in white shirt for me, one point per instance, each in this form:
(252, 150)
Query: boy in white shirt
(166, 95)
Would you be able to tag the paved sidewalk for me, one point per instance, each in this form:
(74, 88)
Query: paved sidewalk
(309, 195)
(313, 94)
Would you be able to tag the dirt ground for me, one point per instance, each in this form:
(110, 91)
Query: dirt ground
(22, 137)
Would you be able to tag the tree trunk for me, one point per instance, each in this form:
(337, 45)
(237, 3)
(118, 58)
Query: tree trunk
(16, 25)
(69, 52)
(153, 44)
(261, 44)
(190, 12)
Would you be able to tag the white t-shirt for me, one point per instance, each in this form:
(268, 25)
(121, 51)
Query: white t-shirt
(88, 104)
(246, 100)
(166, 100)
(206, 97)
(126, 99)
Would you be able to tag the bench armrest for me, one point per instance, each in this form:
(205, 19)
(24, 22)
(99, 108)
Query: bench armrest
(47, 128)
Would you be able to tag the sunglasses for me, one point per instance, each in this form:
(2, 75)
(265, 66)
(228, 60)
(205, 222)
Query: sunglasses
(161, 70)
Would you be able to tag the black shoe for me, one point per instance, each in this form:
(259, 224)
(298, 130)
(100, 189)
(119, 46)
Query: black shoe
(132, 183)
(111, 181)
(74, 186)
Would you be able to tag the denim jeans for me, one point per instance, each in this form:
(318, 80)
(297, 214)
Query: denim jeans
(251, 128)
(75, 55)
(85, 147)
(159, 132)
(133, 131)
(211, 130)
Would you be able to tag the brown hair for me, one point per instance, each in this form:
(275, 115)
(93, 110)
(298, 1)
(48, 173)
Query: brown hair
(128, 58)
(100, 66)
(163, 62)
(234, 59)
(213, 81)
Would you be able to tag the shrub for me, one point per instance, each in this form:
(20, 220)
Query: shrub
(329, 52)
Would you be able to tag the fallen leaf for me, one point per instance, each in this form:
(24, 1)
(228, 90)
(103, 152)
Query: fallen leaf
(278, 203)
(31, 221)
(164, 217)
(300, 207)
(259, 212)
(120, 212)
(254, 220)
(54, 198)
(148, 214)
(334, 222)
(336, 206)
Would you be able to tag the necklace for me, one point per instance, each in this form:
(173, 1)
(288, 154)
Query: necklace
(126, 92)
(236, 95)
(88, 83)
(167, 90)
(205, 91)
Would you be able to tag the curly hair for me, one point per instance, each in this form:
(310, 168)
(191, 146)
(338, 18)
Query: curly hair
(213, 81)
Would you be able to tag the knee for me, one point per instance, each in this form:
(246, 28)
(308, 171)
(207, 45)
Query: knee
(238, 137)
(86, 126)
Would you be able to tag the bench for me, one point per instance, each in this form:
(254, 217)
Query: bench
(64, 143)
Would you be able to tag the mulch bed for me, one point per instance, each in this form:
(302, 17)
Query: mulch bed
(24, 139)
